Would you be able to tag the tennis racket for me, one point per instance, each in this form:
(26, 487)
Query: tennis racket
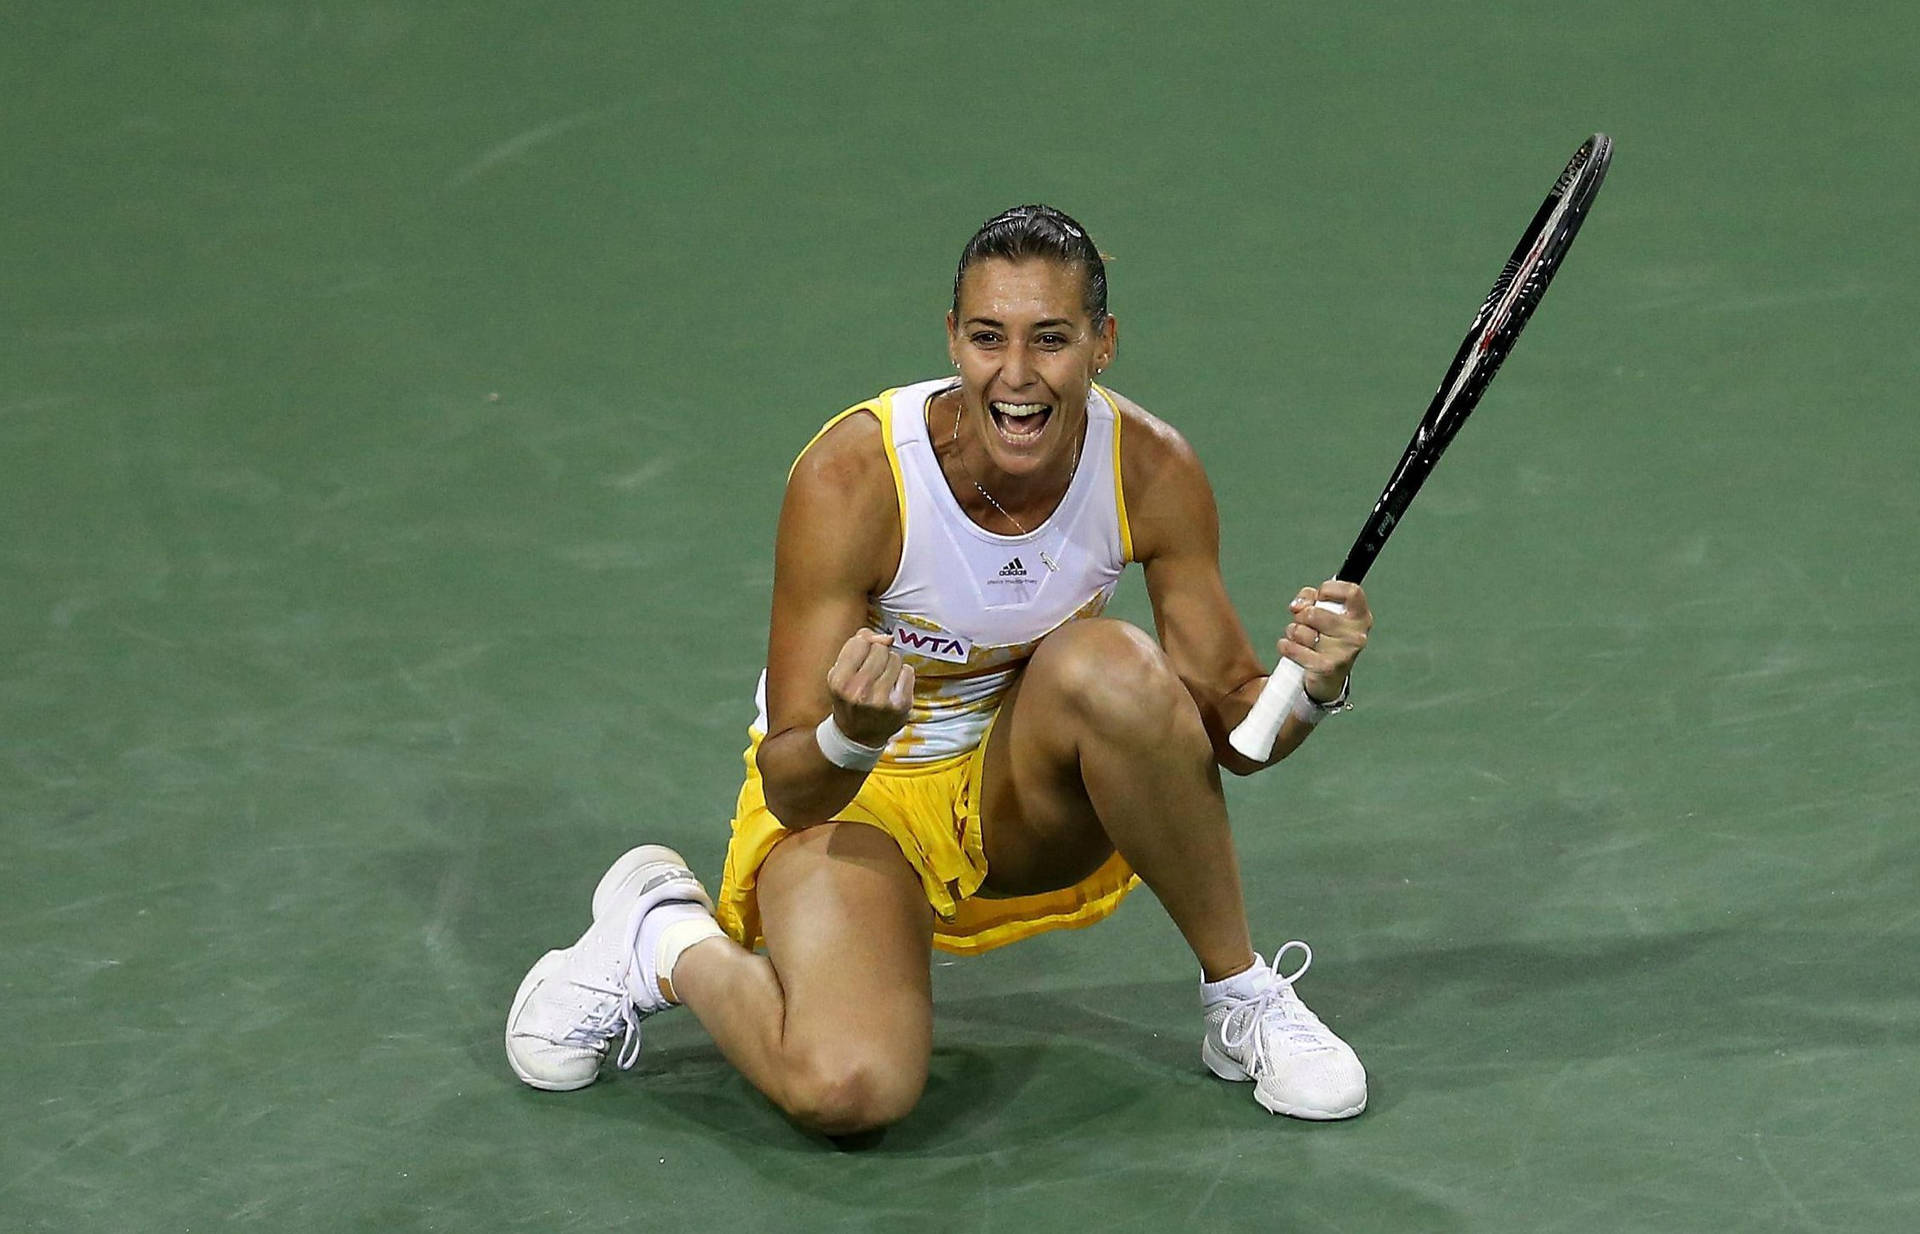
(1516, 293)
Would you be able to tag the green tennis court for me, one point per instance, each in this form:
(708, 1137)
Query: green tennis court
(394, 404)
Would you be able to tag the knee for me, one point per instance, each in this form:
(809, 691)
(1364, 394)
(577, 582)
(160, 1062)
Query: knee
(841, 1094)
(1114, 676)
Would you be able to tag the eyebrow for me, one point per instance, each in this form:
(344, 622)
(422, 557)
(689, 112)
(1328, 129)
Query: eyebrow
(1038, 325)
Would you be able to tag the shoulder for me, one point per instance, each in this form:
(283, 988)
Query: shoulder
(1165, 485)
(841, 513)
(849, 455)
(1151, 450)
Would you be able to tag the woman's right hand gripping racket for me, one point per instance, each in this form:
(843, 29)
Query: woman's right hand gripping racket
(1523, 280)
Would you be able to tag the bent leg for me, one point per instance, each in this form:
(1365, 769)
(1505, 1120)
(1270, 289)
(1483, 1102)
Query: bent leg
(835, 1023)
(1100, 747)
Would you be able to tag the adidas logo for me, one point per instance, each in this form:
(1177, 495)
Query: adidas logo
(1013, 569)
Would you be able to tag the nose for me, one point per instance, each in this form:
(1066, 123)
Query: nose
(1016, 368)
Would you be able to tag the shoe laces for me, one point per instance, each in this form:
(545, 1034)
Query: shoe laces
(601, 1013)
(1279, 1010)
(631, 1014)
(597, 1016)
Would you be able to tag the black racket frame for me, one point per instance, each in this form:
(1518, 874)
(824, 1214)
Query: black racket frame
(1515, 295)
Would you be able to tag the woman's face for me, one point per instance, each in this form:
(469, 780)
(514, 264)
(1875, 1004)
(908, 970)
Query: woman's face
(1027, 351)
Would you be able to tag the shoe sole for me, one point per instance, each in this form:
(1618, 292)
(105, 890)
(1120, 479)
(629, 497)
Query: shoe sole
(631, 863)
(527, 985)
(1224, 1067)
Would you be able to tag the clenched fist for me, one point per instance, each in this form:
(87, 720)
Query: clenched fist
(872, 688)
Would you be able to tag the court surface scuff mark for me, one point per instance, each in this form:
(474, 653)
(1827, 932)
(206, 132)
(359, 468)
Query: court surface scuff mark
(517, 145)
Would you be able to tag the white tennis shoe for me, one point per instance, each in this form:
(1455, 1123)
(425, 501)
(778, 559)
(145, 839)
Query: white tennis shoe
(1297, 1065)
(574, 1001)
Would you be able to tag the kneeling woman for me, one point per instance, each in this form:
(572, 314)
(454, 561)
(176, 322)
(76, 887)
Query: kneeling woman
(954, 747)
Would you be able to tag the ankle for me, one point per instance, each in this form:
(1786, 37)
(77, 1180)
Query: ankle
(1213, 974)
(672, 930)
(1244, 982)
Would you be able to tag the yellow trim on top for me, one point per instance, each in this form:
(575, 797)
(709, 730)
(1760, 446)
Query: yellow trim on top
(1119, 486)
(884, 410)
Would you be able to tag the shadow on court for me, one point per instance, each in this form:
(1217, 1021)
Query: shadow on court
(1006, 1126)
(1019, 1071)
(1020, 1067)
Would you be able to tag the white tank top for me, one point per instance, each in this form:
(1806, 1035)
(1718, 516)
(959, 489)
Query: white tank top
(967, 606)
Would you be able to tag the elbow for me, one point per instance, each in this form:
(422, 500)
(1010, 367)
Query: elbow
(793, 792)
(786, 811)
(1231, 760)
(1236, 763)
(786, 807)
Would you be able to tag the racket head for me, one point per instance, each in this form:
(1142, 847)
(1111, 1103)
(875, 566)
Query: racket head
(1519, 289)
(1516, 293)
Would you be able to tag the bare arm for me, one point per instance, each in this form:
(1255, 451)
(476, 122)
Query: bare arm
(839, 540)
(1176, 536)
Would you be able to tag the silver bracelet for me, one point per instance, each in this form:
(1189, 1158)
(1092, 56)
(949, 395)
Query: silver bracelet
(842, 750)
(1310, 711)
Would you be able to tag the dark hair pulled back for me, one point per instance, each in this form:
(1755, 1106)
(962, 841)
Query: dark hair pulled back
(1039, 231)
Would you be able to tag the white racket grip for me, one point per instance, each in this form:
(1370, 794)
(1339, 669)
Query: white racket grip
(1255, 735)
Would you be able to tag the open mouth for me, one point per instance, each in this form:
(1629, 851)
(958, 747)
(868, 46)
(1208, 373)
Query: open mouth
(1020, 423)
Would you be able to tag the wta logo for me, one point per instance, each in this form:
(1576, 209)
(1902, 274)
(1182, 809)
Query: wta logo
(932, 644)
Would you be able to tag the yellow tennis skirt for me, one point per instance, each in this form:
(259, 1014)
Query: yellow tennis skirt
(933, 814)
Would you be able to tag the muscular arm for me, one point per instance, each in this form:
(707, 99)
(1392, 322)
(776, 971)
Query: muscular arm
(839, 539)
(1176, 536)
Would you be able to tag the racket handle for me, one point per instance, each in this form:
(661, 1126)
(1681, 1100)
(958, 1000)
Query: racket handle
(1255, 735)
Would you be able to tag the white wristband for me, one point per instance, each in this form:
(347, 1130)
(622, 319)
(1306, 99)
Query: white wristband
(1310, 711)
(842, 750)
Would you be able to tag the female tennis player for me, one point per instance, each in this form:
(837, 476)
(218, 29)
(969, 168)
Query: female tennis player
(954, 748)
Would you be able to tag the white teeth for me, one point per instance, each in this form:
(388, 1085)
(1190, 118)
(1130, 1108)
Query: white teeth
(1019, 411)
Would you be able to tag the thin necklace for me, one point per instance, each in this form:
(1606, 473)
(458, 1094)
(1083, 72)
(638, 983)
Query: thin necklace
(982, 489)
